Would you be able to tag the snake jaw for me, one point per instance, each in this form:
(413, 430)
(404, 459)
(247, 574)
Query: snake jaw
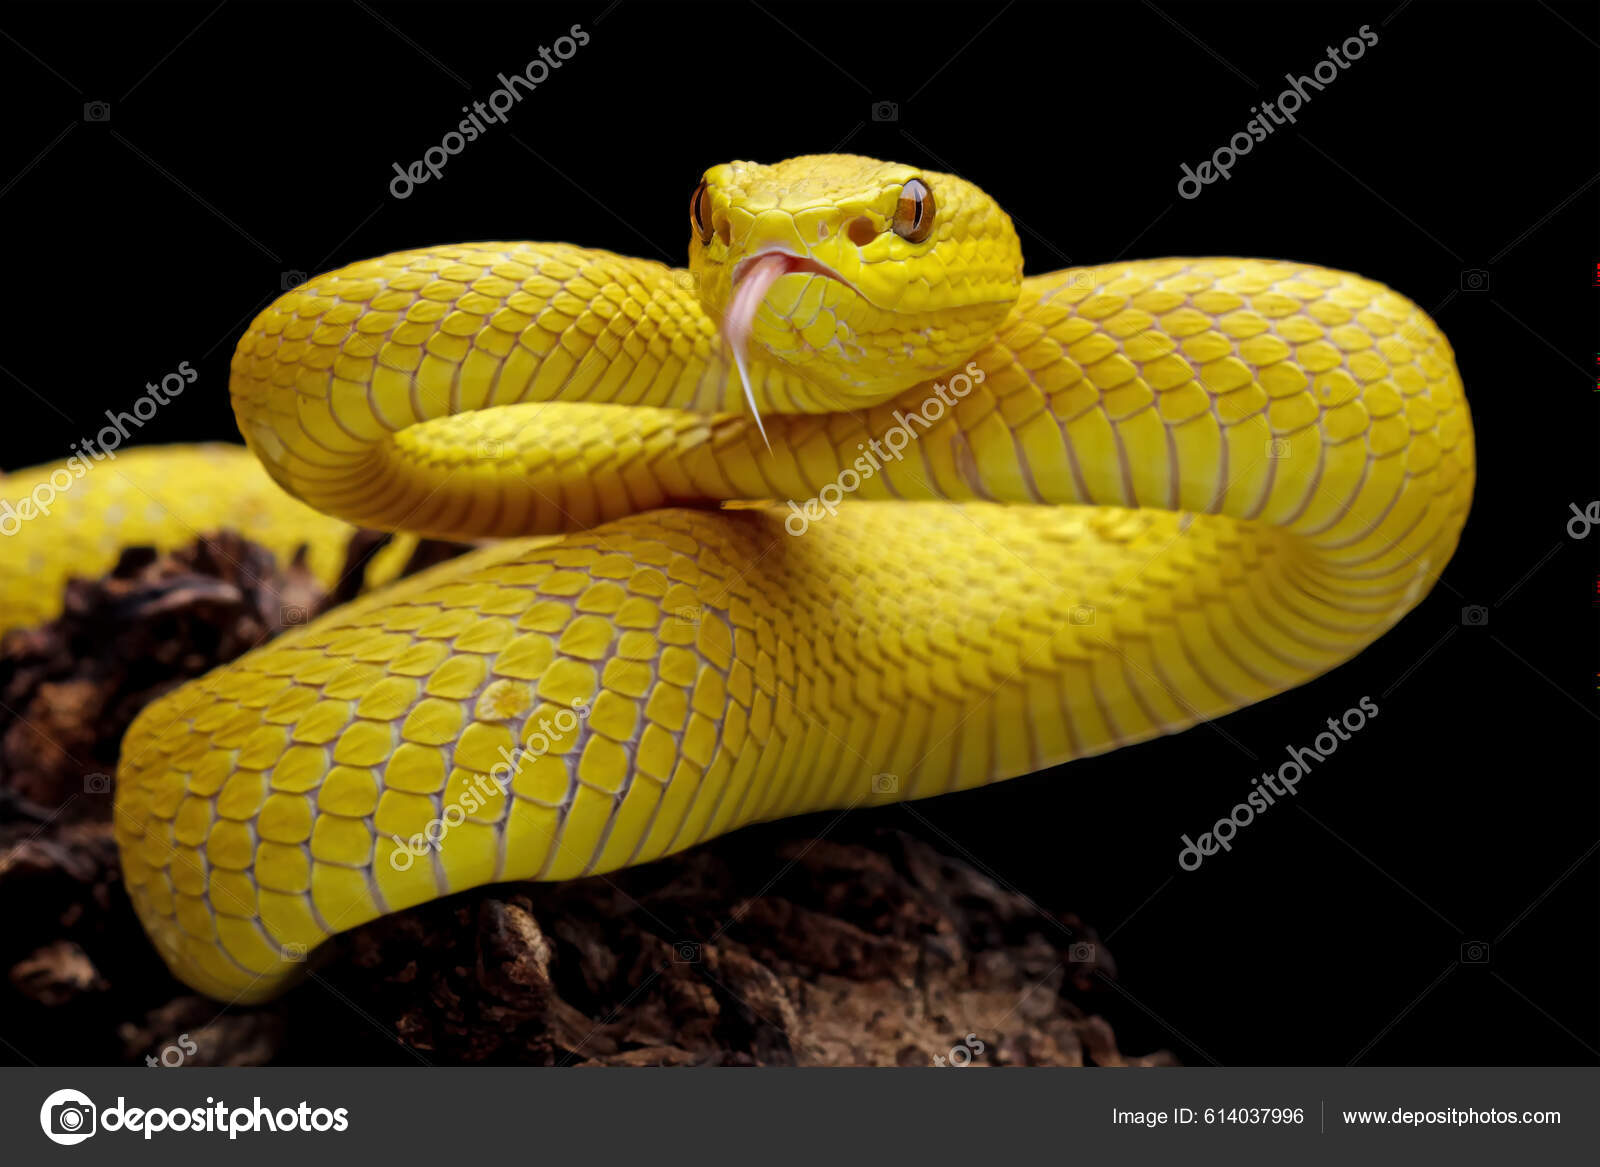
(753, 278)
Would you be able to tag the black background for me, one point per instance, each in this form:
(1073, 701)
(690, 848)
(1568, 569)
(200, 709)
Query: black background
(247, 141)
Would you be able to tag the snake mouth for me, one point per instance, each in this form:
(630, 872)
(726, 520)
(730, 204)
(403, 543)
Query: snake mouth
(784, 262)
(753, 278)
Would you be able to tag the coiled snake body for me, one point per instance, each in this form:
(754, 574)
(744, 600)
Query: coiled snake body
(1135, 496)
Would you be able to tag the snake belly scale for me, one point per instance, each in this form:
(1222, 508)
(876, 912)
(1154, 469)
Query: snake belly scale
(1136, 496)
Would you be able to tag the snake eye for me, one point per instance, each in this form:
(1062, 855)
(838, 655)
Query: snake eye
(913, 214)
(700, 212)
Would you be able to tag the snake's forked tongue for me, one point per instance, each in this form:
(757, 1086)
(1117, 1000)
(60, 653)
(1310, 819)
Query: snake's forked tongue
(737, 322)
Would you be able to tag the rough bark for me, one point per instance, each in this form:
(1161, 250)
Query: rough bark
(811, 942)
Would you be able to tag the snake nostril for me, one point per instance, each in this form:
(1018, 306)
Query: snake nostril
(861, 231)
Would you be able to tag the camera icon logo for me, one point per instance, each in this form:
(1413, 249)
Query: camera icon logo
(1081, 953)
(68, 1117)
(291, 614)
(292, 953)
(1474, 279)
(290, 280)
(1475, 616)
(685, 279)
(97, 783)
(1082, 614)
(1277, 447)
(492, 449)
(885, 111)
(1475, 952)
(886, 784)
(686, 952)
(97, 111)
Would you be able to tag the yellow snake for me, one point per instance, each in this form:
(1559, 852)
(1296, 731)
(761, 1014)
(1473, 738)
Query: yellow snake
(1134, 496)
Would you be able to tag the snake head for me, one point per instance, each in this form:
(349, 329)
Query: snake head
(863, 277)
